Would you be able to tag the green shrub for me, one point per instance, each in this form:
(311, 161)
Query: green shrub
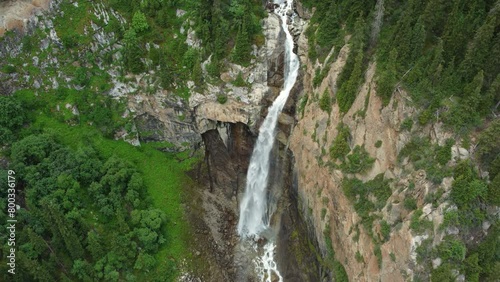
(451, 250)
(221, 98)
(488, 148)
(393, 257)
(325, 102)
(70, 40)
(323, 213)
(358, 161)
(385, 230)
(8, 69)
(425, 117)
(472, 268)
(359, 194)
(494, 191)
(239, 81)
(27, 42)
(442, 274)
(494, 168)
(302, 104)
(443, 154)
(407, 124)
(139, 22)
(466, 188)
(423, 156)
(378, 144)
(340, 273)
(417, 225)
(340, 147)
(359, 257)
(318, 78)
(81, 78)
(213, 69)
(410, 204)
(11, 119)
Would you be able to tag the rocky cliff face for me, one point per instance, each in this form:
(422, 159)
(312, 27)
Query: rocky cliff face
(16, 15)
(378, 129)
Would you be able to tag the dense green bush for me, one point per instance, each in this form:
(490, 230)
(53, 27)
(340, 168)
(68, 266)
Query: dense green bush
(222, 98)
(358, 161)
(410, 204)
(442, 274)
(139, 22)
(340, 273)
(8, 69)
(467, 189)
(418, 225)
(11, 119)
(359, 194)
(407, 124)
(451, 250)
(340, 147)
(239, 81)
(427, 156)
(302, 104)
(488, 146)
(385, 230)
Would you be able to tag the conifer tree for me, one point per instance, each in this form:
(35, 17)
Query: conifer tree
(132, 53)
(242, 47)
(418, 40)
(435, 68)
(197, 74)
(479, 49)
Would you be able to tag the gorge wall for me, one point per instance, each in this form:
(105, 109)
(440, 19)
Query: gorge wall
(380, 245)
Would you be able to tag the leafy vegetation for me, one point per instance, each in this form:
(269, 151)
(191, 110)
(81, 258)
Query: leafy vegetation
(11, 119)
(445, 53)
(340, 147)
(229, 28)
(360, 195)
(358, 161)
(93, 208)
(221, 98)
(86, 191)
(429, 157)
(325, 102)
(420, 225)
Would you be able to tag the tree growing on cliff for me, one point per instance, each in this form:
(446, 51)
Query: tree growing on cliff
(242, 46)
(139, 22)
(132, 53)
(325, 102)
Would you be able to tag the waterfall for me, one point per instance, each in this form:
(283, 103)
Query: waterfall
(254, 213)
(254, 217)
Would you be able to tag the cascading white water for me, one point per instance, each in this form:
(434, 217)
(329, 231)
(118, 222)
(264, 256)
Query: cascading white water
(254, 214)
(254, 217)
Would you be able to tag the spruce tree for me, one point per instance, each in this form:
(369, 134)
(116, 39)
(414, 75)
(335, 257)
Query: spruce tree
(418, 40)
(478, 51)
(132, 53)
(242, 47)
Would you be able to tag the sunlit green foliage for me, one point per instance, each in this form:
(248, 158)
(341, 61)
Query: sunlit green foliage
(325, 102)
(340, 147)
